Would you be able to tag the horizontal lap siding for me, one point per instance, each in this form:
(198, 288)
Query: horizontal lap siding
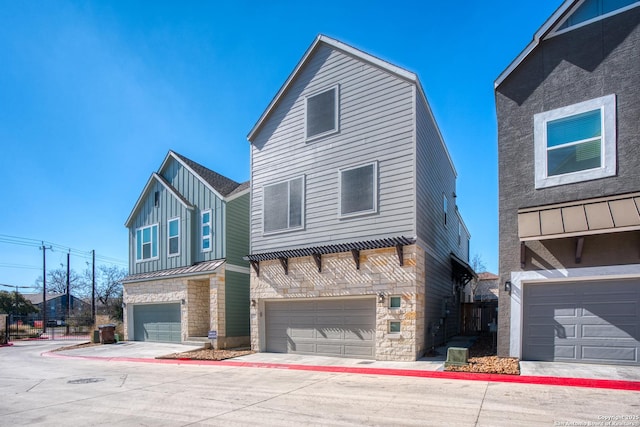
(376, 124)
(435, 177)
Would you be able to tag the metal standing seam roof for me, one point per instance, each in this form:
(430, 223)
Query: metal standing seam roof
(192, 270)
(332, 249)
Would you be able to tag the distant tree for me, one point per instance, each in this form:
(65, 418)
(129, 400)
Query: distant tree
(479, 267)
(57, 282)
(108, 288)
(15, 303)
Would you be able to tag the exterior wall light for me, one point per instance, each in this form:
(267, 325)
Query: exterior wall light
(380, 298)
(253, 303)
(507, 287)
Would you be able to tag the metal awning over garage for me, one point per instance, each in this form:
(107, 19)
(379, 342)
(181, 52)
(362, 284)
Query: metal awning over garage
(580, 218)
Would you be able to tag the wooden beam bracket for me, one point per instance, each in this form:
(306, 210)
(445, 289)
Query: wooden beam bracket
(285, 264)
(318, 259)
(356, 257)
(579, 247)
(256, 266)
(400, 254)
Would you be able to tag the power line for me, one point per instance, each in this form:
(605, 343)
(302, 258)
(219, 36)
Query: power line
(23, 241)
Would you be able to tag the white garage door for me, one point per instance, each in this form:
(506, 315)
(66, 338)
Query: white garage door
(344, 328)
(589, 322)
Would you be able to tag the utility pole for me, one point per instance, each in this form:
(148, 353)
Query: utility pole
(44, 285)
(93, 286)
(68, 289)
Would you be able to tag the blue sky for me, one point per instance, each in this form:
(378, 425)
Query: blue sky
(94, 94)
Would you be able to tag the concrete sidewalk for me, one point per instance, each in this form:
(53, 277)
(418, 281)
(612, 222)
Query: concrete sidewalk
(151, 350)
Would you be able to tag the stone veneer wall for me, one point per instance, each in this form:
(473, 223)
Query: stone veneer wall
(155, 291)
(216, 302)
(198, 308)
(380, 272)
(199, 295)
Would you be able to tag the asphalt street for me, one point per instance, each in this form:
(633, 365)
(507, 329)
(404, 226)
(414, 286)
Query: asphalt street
(37, 390)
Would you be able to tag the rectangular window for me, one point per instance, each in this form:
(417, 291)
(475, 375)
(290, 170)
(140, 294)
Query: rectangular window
(359, 190)
(147, 243)
(206, 231)
(173, 237)
(444, 207)
(322, 113)
(394, 327)
(283, 205)
(394, 302)
(575, 143)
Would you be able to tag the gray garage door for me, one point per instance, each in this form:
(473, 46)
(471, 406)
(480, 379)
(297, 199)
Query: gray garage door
(157, 322)
(589, 322)
(344, 328)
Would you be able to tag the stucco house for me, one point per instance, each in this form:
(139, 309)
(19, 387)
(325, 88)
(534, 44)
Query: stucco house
(568, 110)
(188, 232)
(357, 246)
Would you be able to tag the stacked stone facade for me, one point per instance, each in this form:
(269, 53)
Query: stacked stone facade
(380, 273)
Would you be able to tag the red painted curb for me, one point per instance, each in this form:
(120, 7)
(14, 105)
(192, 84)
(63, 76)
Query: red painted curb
(517, 379)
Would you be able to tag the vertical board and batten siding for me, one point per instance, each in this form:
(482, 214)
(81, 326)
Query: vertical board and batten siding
(435, 177)
(375, 124)
(203, 199)
(236, 299)
(168, 207)
(237, 232)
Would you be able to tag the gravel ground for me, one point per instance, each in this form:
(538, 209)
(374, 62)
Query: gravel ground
(207, 354)
(483, 359)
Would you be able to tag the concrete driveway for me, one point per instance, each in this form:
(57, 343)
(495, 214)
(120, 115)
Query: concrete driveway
(36, 390)
(150, 350)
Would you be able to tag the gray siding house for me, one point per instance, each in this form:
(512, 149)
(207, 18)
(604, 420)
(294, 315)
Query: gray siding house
(188, 233)
(357, 246)
(568, 111)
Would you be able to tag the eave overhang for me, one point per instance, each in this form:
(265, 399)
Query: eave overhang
(461, 272)
(156, 177)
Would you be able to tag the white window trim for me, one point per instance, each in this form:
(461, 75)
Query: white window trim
(375, 191)
(395, 308)
(302, 211)
(336, 117)
(607, 106)
(589, 21)
(169, 254)
(210, 235)
(389, 327)
(135, 249)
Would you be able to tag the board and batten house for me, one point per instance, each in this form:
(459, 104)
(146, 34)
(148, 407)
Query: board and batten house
(568, 110)
(357, 246)
(188, 233)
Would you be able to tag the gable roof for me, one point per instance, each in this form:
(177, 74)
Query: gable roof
(361, 56)
(222, 186)
(566, 9)
(156, 178)
(218, 183)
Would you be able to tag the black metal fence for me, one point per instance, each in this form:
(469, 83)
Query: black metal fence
(33, 328)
